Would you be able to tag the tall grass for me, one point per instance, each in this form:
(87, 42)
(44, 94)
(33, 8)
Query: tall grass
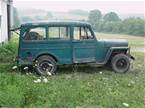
(8, 50)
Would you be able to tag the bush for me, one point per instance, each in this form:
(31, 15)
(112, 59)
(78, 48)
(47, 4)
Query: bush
(8, 51)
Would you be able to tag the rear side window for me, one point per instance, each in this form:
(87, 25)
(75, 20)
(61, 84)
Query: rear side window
(58, 33)
(38, 33)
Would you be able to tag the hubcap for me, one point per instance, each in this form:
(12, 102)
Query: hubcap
(121, 64)
(46, 67)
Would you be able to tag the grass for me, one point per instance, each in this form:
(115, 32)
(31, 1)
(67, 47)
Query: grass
(86, 87)
(8, 51)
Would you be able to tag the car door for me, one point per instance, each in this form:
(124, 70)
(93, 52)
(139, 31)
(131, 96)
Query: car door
(59, 43)
(52, 40)
(83, 45)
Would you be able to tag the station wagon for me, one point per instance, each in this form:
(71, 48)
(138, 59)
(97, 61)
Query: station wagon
(45, 45)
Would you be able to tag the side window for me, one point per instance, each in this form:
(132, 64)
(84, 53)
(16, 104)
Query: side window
(82, 33)
(89, 34)
(38, 33)
(76, 33)
(58, 33)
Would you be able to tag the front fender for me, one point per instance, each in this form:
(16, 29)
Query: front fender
(110, 52)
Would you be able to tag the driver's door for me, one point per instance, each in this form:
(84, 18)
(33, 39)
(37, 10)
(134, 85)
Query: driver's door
(84, 45)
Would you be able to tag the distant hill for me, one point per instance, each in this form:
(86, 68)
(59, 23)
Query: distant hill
(31, 12)
(38, 14)
(79, 12)
(68, 15)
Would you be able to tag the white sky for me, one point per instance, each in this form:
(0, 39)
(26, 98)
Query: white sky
(121, 7)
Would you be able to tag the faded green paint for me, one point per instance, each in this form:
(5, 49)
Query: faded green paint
(67, 51)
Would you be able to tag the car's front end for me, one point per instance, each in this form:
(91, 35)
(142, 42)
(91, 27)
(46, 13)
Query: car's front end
(120, 44)
(117, 54)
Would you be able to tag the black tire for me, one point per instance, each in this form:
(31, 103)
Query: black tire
(45, 65)
(120, 63)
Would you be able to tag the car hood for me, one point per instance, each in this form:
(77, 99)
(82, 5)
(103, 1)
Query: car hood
(115, 42)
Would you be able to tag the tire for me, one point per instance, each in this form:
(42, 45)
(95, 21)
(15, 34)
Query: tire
(120, 63)
(45, 65)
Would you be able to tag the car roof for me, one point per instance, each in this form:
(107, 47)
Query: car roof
(57, 23)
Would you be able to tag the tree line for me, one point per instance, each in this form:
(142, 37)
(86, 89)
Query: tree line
(111, 23)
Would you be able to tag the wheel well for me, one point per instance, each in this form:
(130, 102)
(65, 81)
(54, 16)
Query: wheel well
(118, 51)
(115, 52)
(46, 55)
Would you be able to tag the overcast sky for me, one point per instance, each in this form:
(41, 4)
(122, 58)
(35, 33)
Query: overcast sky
(121, 7)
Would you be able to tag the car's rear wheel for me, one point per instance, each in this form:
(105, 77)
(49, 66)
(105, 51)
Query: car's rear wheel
(120, 63)
(45, 65)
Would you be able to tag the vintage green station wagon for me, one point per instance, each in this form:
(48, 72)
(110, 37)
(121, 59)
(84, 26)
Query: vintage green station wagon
(46, 45)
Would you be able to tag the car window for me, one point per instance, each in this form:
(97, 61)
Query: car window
(38, 33)
(82, 33)
(76, 33)
(58, 32)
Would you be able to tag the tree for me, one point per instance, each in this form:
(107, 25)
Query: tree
(134, 26)
(108, 27)
(111, 16)
(94, 18)
(16, 20)
(117, 27)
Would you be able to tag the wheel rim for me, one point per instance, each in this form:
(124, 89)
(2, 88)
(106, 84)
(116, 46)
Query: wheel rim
(46, 67)
(121, 64)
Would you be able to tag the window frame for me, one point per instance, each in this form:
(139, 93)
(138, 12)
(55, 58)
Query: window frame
(28, 30)
(85, 28)
(68, 32)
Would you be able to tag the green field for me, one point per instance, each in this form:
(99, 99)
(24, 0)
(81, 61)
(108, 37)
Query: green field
(82, 87)
(134, 41)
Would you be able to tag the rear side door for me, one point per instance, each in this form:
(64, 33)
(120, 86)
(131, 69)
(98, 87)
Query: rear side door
(59, 43)
(83, 45)
(52, 40)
